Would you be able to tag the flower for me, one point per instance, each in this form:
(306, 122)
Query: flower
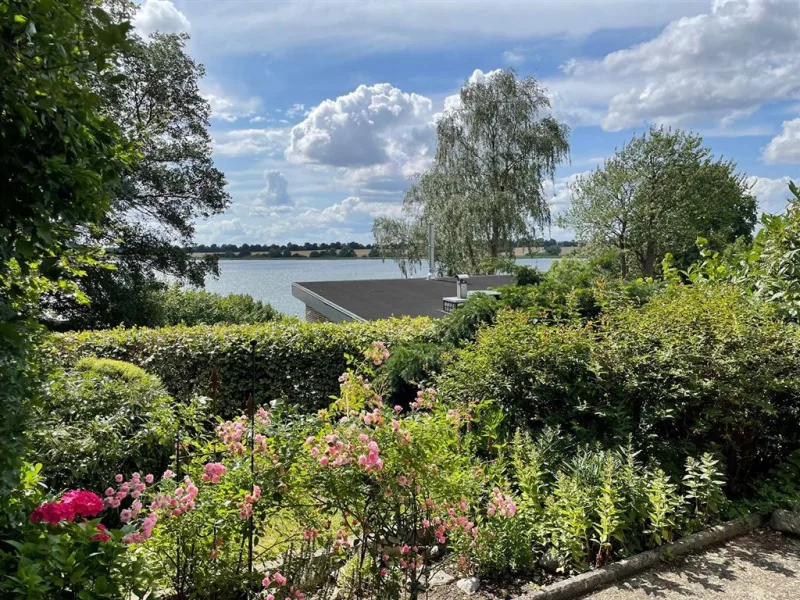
(118, 478)
(149, 478)
(101, 537)
(168, 474)
(213, 472)
(51, 512)
(279, 579)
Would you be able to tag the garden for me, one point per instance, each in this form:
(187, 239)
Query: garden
(164, 442)
(577, 420)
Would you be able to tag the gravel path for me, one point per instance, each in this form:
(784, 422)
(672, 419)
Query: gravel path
(763, 565)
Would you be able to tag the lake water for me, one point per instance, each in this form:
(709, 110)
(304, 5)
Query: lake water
(271, 280)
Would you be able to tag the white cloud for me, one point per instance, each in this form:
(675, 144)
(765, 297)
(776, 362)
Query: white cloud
(276, 192)
(345, 26)
(223, 231)
(227, 107)
(356, 130)
(770, 193)
(785, 148)
(351, 212)
(245, 142)
(258, 119)
(160, 15)
(296, 110)
(723, 65)
(513, 58)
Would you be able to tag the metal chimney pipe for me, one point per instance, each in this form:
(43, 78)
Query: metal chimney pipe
(431, 250)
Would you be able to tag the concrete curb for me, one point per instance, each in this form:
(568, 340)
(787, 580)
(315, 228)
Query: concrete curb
(586, 582)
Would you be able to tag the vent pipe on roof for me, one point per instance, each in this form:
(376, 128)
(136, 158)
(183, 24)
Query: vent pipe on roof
(431, 250)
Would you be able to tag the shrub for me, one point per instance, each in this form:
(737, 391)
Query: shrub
(198, 307)
(697, 368)
(102, 417)
(295, 361)
(61, 551)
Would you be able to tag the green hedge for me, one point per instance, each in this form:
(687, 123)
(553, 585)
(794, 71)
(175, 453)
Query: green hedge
(295, 361)
(698, 368)
(101, 418)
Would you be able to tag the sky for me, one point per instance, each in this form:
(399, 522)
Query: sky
(323, 109)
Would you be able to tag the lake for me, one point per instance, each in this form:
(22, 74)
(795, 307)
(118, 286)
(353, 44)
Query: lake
(271, 280)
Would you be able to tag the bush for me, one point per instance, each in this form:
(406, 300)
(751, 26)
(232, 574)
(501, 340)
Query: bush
(101, 418)
(198, 307)
(697, 368)
(295, 361)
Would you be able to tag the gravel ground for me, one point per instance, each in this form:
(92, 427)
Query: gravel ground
(763, 565)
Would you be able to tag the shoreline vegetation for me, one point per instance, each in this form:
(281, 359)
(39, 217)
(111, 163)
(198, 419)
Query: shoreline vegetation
(362, 254)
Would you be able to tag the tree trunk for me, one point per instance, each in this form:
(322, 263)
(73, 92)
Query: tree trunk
(648, 265)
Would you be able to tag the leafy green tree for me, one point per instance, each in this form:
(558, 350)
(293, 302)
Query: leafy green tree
(60, 157)
(150, 226)
(484, 190)
(658, 194)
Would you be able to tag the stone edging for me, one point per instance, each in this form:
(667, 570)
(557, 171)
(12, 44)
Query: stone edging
(586, 582)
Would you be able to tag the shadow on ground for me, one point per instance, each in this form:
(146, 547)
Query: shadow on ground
(763, 565)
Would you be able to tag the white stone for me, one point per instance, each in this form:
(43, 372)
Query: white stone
(469, 586)
(440, 577)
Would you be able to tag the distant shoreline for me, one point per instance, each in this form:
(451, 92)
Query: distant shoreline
(360, 258)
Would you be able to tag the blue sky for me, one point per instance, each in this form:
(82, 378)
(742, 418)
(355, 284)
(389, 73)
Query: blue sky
(323, 109)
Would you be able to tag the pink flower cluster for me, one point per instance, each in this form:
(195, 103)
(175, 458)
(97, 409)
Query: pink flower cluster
(137, 537)
(455, 521)
(372, 418)
(213, 471)
(181, 501)
(134, 487)
(378, 353)
(246, 505)
(76, 503)
(425, 399)
(231, 434)
(501, 505)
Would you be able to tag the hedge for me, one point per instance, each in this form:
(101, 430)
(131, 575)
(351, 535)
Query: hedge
(101, 418)
(698, 368)
(296, 362)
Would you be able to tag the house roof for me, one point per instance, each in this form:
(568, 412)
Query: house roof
(370, 299)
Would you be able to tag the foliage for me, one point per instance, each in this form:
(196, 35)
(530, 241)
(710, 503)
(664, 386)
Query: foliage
(151, 223)
(774, 266)
(524, 275)
(295, 361)
(697, 368)
(586, 506)
(59, 159)
(198, 307)
(58, 554)
(658, 194)
(103, 417)
(572, 289)
(484, 190)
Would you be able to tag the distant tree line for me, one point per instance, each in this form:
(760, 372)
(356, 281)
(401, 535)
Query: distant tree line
(344, 249)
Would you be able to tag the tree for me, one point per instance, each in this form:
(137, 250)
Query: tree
(658, 194)
(484, 190)
(60, 156)
(151, 223)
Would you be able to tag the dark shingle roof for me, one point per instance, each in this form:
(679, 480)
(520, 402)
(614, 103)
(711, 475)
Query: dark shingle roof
(371, 299)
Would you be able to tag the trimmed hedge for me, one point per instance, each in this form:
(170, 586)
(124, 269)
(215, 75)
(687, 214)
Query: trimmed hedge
(101, 418)
(297, 362)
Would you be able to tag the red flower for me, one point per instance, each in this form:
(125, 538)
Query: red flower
(101, 537)
(83, 503)
(52, 512)
(75, 503)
